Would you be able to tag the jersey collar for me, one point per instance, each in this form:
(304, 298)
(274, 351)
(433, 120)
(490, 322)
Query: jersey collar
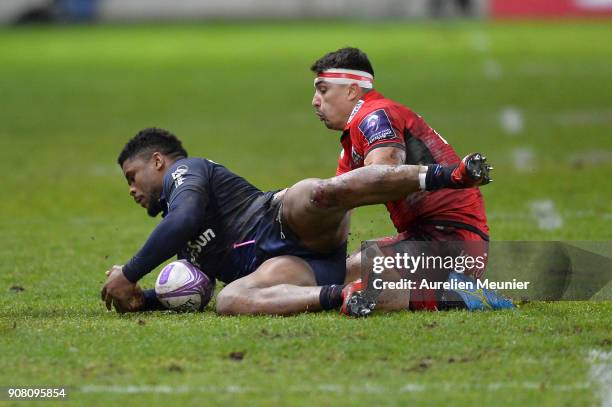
(164, 205)
(371, 95)
(163, 200)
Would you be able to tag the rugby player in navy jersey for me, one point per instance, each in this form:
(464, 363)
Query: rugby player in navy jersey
(279, 252)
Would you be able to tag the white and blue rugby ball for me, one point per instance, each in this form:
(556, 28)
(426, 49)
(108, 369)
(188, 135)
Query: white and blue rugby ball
(182, 287)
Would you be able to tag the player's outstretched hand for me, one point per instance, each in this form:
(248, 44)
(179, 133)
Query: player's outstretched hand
(133, 304)
(121, 293)
(473, 171)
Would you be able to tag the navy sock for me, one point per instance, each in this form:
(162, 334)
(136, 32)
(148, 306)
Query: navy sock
(151, 301)
(330, 296)
(439, 176)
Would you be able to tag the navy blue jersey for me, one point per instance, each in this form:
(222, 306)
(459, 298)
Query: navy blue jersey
(207, 211)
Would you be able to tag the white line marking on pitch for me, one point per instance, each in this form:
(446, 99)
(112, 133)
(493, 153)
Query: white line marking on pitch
(601, 374)
(524, 159)
(165, 389)
(546, 214)
(511, 120)
(338, 388)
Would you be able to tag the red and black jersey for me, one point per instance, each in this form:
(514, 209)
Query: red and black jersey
(380, 122)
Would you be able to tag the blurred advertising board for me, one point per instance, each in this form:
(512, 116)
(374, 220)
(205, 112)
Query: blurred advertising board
(504, 9)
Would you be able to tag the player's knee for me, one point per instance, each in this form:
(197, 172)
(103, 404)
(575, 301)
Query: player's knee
(312, 193)
(326, 193)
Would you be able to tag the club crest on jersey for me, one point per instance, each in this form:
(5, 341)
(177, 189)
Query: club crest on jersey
(177, 175)
(376, 126)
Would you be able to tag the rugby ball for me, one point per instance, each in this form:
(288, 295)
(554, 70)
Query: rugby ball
(182, 287)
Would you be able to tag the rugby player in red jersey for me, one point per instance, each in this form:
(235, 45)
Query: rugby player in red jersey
(377, 130)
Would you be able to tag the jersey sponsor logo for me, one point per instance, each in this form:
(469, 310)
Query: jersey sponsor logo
(177, 175)
(196, 246)
(376, 126)
(355, 110)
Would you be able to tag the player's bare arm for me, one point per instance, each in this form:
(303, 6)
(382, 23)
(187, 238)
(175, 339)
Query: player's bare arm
(386, 156)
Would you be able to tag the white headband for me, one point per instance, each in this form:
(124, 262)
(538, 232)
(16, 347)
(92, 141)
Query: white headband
(346, 77)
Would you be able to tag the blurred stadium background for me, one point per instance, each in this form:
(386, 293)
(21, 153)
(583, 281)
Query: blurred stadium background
(527, 82)
(147, 10)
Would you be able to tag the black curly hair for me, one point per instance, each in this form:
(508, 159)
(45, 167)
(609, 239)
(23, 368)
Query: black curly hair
(151, 140)
(345, 58)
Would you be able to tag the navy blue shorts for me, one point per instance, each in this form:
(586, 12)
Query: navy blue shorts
(273, 238)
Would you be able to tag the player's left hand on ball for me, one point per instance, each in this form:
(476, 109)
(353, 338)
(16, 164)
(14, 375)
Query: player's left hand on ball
(121, 292)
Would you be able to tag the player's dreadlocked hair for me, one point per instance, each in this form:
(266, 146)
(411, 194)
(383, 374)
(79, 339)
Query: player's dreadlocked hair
(151, 140)
(345, 58)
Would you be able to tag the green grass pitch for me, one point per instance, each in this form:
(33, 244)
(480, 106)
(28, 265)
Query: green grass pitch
(240, 95)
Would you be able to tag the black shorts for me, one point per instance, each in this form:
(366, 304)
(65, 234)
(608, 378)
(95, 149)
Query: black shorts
(272, 238)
